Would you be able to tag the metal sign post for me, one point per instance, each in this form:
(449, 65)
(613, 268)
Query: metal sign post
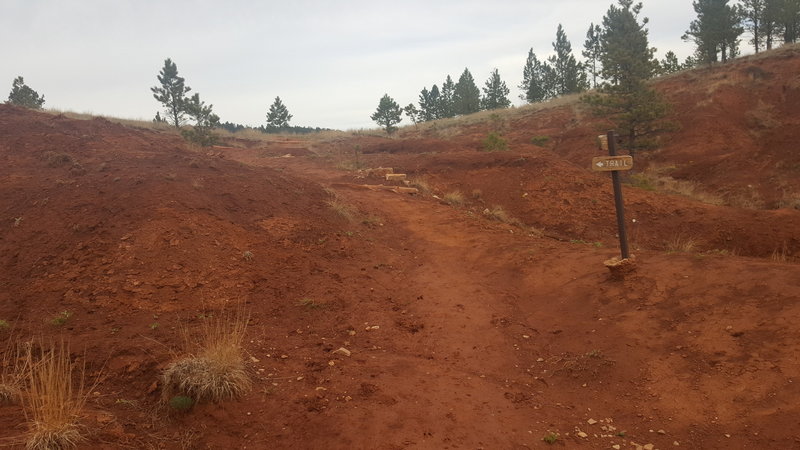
(614, 164)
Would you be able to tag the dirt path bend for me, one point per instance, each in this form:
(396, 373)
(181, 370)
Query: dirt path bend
(490, 337)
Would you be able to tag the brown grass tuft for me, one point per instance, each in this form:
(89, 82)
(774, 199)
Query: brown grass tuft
(215, 371)
(454, 198)
(53, 401)
(681, 244)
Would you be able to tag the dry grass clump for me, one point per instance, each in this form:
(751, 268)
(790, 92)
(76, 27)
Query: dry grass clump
(215, 371)
(12, 370)
(681, 244)
(341, 208)
(52, 400)
(454, 198)
(422, 184)
(499, 214)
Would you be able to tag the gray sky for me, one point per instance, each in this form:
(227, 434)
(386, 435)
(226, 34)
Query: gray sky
(329, 61)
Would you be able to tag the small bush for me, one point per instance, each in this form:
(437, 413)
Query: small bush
(494, 142)
(341, 208)
(4, 325)
(215, 371)
(541, 141)
(61, 319)
(55, 159)
(550, 438)
(454, 198)
(181, 403)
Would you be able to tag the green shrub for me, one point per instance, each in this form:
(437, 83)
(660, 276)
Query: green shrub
(181, 403)
(494, 142)
(541, 141)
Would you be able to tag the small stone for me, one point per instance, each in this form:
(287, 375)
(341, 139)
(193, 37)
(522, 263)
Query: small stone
(676, 443)
(616, 447)
(525, 336)
(540, 360)
(352, 332)
(591, 421)
(727, 435)
(331, 363)
(254, 359)
(581, 434)
(661, 432)
(284, 356)
(648, 447)
(341, 351)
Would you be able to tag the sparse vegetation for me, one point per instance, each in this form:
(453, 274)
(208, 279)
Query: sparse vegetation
(551, 438)
(4, 325)
(247, 255)
(214, 369)
(341, 208)
(499, 214)
(454, 198)
(681, 244)
(53, 399)
(541, 141)
(310, 303)
(181, 403)
(494, 142)
(61, 318)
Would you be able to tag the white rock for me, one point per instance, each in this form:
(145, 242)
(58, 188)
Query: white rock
(341, 351)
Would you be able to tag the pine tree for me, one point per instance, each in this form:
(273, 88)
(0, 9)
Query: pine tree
(445, 106)
(412, 112)
(278, 116)
(771, 22)
(388, 114)
(627, 59)
(172, 93)
(790, 15)
(22, 95)
(495, 93)
(752, 17)
(569, 74)
(591, 51)
(466, 96)
(204, 121)
(669, 64)
(429, 104)
(528, 72)
(716, 30)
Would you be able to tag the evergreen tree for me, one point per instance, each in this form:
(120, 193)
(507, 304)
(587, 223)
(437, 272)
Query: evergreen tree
(495, 94)
(669, 64)
(752, 17)
(204, 121)
(591, 51)
(388, 114)
(528, 72)
(625, 98)
(172, 93)
(771, 22)
(466, 96)
(569, 74)
(716, 30)
(412, 112)
(278, 116)
(22, 95)
(790, 20)
(429, 104)
(539, 80)
(445, 107)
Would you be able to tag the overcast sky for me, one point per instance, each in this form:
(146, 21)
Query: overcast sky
(329, 61)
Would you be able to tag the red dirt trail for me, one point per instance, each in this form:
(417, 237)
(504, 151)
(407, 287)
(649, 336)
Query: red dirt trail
(464, 332)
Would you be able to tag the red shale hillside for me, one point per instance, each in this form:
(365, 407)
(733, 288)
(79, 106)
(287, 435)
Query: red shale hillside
(380, 320)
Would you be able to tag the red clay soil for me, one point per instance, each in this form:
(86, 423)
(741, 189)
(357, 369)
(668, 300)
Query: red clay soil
(464, 332)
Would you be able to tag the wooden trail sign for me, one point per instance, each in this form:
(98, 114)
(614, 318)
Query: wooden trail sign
(609, 163)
